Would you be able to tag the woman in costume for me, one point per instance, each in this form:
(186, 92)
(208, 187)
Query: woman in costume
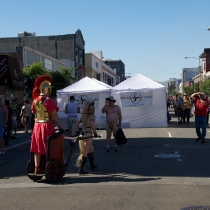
(88, 127)
(45, 111)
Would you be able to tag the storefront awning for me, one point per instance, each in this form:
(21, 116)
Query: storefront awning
(10, 74)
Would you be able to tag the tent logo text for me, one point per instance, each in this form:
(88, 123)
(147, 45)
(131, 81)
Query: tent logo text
(81, 99)
(135, 98)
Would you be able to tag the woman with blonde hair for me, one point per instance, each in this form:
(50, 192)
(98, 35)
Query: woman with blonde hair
(88, 127)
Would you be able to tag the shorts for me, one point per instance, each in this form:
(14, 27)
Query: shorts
(72, 123)
(1, 131)
(179, 112)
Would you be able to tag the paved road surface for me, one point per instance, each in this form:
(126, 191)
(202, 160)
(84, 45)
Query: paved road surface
(159, 168)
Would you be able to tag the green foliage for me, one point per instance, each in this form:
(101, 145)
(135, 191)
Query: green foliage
(205, 87)
(197, 87)
(29, 74)
(59, 81)
(60, 78)
(173, 92)
(189, 90)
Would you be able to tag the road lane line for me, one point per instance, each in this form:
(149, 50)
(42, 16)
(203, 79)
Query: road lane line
(169, 134)
(178, 159)
(17, 145)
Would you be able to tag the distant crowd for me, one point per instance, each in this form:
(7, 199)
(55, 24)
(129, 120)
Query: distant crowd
(184, 107)
(19, 116)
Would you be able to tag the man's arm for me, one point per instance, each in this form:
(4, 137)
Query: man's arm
(104, 109)
(78, 108)
(119, 115)
(56, 119)
(66, 109)
(194, 94)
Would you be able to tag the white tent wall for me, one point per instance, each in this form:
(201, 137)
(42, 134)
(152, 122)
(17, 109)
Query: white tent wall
(144, 116)
(62, 100)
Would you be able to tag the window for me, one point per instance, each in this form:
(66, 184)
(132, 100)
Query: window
(98, 77)
(112, 80)
(96, 65)
(103, 76)
(76, 55)
(81, 57)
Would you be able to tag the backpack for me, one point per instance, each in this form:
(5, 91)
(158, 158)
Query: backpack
(120, 137)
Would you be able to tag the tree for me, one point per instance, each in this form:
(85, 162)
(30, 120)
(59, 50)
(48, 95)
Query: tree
(30, 74)
(205, 87)
(189, 90)
(60, 78)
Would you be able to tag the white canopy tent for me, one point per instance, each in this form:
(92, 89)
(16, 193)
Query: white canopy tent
(81, 90)
(142, 102)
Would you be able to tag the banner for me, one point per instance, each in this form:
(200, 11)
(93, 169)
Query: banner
(134, 99)
(81, 98)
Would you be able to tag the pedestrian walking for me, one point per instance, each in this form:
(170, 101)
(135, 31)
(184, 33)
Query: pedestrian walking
(179, 108)
(187, 106)
(201, 105)
(88, 127)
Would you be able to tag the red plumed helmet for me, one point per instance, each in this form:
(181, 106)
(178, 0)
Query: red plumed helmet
(41, 86)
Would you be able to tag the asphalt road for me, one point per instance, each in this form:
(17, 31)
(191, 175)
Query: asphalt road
(159, 168)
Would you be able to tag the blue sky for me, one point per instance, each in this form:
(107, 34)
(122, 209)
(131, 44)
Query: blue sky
(151, 37)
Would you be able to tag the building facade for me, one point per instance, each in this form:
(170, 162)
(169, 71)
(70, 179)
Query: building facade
(69, 48)
(96, 68)
(117, 65)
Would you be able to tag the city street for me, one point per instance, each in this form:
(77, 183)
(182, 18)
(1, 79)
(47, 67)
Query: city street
(158, 169)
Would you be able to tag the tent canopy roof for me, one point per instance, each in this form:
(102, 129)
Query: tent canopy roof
(84, 85)
(138, 82)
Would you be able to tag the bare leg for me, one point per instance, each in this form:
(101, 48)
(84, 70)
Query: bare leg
(115, 128)
(108, 134)
(87, 146)
(37, 159)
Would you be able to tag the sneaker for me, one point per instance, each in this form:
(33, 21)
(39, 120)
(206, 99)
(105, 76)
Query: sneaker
(107, 149)
(3, 152)
(203, 141)
(198, 139)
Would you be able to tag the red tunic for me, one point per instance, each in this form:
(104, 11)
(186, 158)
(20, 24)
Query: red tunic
(42, 130)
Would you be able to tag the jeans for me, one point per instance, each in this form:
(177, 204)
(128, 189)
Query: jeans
(186, 114)
(7, 132)
(207, 118)
(200, 124)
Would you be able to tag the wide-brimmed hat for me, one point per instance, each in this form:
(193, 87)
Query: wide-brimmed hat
(111, 98)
